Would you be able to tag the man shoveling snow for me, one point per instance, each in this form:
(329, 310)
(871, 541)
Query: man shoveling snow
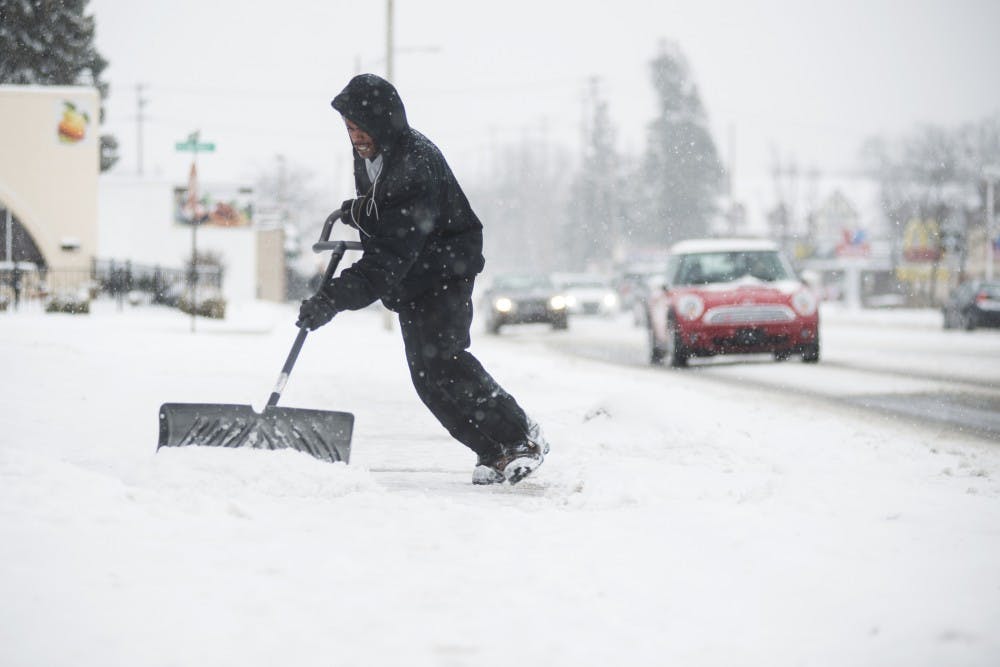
(422, 251)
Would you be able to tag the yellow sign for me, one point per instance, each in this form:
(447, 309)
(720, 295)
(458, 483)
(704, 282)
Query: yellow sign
(921, 273)
(922, 241)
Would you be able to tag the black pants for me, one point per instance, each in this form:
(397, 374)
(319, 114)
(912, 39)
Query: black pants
(449, 380)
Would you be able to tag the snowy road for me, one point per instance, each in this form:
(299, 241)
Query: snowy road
(900, 364)
(681, 519)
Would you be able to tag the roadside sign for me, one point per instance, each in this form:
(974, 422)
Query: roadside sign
(207, 147)
(194, 145)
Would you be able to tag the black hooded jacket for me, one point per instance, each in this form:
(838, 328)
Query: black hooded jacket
(416, 225)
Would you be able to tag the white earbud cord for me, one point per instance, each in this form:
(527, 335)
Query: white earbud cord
(369, 207)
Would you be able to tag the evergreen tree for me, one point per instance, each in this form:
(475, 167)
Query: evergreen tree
(51, 43)
(594, 231)
(681, 173)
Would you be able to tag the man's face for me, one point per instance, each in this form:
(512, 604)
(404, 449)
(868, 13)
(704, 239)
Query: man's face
(361, 140)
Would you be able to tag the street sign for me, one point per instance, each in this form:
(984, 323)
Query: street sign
(193, 146)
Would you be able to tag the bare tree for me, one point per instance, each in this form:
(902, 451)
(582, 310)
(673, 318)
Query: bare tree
(521, 201)
(595, 230)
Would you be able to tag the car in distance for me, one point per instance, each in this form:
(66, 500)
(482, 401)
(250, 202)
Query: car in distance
(633, 288)
(731, 296)
(974, 303)
(521, 298)
(587, 293)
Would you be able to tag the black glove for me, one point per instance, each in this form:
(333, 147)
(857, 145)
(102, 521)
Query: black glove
(315, 311)
(345, 211)
(351, 210)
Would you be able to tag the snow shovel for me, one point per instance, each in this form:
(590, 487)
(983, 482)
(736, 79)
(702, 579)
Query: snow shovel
(321, 433)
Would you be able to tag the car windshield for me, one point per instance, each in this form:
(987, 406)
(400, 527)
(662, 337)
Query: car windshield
(522, 282)
(723, 267)
(991, 290)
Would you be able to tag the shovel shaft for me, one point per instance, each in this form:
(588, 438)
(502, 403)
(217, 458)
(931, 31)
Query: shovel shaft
(338, 248)
(323, 434)
(286, 370)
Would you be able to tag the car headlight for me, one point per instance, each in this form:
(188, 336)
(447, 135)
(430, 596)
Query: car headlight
(567, 301)
(804, 302)
(690, 307)
(610, 300)
(558, 302)
(503, 305)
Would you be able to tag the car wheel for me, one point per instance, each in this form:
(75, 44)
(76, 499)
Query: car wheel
(781, 355)
(656, 351)
(810, 354)
(676, 352)
(493, 327)
(561, 324)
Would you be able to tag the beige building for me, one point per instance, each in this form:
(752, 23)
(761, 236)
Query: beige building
(49, 163)
(58, 219)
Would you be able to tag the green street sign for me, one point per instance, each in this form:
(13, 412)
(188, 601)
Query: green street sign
(194, 146)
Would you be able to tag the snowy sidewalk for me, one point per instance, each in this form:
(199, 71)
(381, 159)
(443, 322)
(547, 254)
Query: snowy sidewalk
(675, 522)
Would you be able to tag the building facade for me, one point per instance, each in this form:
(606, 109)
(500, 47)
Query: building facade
(60, 220)
(49, 165)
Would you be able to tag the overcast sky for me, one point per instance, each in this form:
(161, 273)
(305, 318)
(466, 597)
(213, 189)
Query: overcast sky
(800, 81)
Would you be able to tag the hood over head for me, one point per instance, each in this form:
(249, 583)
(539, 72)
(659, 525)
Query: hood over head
(373, 104)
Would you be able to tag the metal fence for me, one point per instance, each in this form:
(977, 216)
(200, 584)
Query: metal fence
(26, 282)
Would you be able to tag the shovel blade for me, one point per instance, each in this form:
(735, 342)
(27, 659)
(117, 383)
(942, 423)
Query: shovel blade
(320, 433)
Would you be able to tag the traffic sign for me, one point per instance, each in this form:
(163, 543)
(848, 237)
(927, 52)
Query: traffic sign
(192, 144)
(207, 147)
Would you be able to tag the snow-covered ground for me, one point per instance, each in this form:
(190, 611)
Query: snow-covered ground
(675, 522)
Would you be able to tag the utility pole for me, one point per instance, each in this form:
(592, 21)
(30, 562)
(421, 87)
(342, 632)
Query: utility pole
(992, 174)
(139, 118)
(282, 194)
(389, 40)
(730, 168)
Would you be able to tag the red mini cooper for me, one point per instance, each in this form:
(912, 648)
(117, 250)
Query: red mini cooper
(731, 296)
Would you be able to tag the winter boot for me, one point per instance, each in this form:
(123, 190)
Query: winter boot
(485, 473)
(521, 460)
(514, 464)
(527, 456)
(536, 436)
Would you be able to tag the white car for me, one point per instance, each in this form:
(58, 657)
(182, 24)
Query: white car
(587, 293)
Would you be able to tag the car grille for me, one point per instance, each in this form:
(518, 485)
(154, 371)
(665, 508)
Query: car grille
(532, 307)
(748, 314)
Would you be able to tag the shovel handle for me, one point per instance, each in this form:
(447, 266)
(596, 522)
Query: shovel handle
(338, 248)
(328, 225)
(286, 370)
(333, 245)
